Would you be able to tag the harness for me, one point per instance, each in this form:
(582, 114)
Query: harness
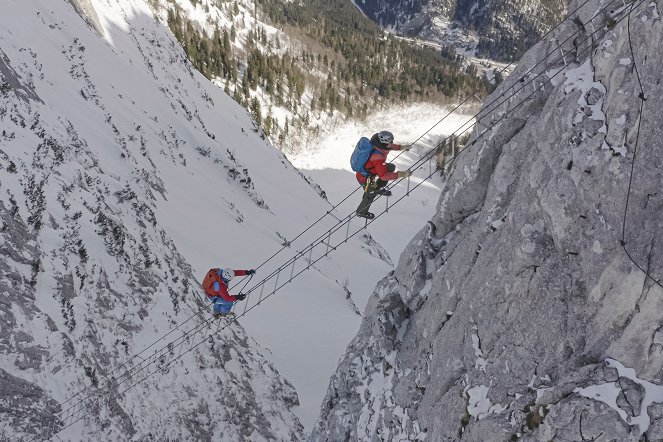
(370, 172)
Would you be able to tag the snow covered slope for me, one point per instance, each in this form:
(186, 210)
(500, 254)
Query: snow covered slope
(124, 176)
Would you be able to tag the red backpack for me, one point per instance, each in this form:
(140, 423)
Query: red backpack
(210, 278)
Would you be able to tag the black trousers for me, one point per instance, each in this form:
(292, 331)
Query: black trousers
(371, 192)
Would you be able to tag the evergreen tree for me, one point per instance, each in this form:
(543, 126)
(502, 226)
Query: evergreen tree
(364, 67)
(224, 40)
(268, 125)
(255, 111)
(246, 90)
(237, 96)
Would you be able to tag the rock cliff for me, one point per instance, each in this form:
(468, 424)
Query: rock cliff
(515, 313)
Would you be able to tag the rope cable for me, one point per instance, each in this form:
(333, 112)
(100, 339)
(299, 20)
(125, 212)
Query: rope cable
(196, 329)
(288, 243)
(426, 157)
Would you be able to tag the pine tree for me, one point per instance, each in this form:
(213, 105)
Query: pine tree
(255, 111)
(268, 125)
(246, 90)
(226, 41)
(363, 66)
(237, 96)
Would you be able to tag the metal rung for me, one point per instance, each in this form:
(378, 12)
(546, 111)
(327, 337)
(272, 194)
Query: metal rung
(277, 281)
(193, 338)
(262, 289)
(49, 429)
(157, 356)
(292, 271)
(334, 216)
(79, 410)
(185, 337)
(66, 415)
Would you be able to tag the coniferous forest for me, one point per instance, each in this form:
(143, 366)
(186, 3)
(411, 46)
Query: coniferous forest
(343, 63)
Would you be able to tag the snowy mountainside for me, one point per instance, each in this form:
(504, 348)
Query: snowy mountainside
(494, 29)
(301, 68)
(124, 176)
(239, 20)
(528, 307)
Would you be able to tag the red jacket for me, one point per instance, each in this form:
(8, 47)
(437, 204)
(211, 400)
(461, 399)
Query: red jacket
(214, 285)
(377, 164)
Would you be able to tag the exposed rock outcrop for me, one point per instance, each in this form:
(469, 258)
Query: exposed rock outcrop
(87, 12)
(515, 314)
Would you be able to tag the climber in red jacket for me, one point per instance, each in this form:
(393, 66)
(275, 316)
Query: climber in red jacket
(380, 172)
(215, 285)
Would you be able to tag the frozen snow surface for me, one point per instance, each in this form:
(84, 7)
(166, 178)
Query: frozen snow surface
(124, 176)
(610, 392)
(515, 313)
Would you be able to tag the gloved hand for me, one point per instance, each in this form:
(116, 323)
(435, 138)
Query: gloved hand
(240, 297)
(250, 272)
(404, 174)
(407, 146)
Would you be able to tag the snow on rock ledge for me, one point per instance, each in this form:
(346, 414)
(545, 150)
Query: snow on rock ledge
(86, 10)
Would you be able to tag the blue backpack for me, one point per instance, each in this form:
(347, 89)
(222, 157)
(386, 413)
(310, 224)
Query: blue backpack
(361, 154)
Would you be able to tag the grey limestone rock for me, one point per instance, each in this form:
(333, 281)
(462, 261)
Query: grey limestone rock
(579, 419)
(517, 292)
(10, 80)
(25, 406)
(655, 431)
